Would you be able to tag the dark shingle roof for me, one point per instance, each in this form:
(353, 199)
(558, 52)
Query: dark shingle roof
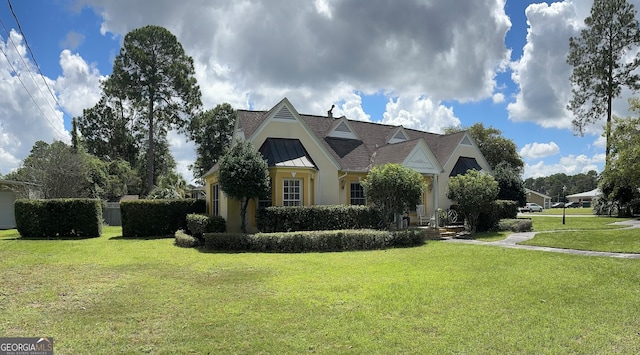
(357, 155)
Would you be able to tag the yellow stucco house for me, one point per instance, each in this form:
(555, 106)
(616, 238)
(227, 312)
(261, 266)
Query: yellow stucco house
(320, 160)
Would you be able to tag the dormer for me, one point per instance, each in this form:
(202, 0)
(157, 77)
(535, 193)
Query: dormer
(398, 136)
(342, 129)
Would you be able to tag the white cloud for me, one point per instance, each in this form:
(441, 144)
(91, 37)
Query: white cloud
(419, 113)
(542, 73)
(570, 165)
(539, 150)
(600, 142)
(498, 98)
(28, 111)
(442, 50)
(79, 85)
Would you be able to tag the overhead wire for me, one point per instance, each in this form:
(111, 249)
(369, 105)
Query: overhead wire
(37, 66)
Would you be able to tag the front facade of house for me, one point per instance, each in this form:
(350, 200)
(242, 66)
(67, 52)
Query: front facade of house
(320, 160)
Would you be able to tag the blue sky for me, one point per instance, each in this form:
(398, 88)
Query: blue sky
(425, 66)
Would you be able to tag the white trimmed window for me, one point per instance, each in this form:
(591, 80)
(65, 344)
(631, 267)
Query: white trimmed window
(357, 194)
(215, 200)
(291, 192)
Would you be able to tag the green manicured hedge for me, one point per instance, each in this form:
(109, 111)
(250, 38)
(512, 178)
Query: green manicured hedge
(315, 218)
(59, 218)
(185, 240)
(198, 224)
(500, 209)
(313, 241)
(157, 218)
(515, 225)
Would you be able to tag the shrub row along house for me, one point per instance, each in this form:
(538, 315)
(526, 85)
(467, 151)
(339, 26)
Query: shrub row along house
(321, 160)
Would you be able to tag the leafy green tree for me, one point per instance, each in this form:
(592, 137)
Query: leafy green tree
(510, 184)
(157, 80)
(393, 188)
(212, 131)
(170, 186)
(123, 180)
(601, 63)
(495, 148)
(244, 175)
(620, 180)
(59, 172)
(473, 192)
(107, 131)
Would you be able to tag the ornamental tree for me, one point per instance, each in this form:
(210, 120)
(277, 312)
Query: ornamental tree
(244, 175)
(393, 188)
(473, 192)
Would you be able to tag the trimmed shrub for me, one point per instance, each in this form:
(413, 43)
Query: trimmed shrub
(197, 224)
(313, 241)
(217, 224)
(157, 218)
(185, 240)
(315, 218)
(515, 225)
(500, 209)
(59, 218)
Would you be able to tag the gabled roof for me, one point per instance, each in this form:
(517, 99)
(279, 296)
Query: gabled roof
(371, 145)
(593, 193)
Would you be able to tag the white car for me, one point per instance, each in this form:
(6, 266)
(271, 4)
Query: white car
(531, 207)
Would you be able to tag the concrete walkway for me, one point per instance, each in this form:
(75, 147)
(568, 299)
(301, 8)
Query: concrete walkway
(513, 239)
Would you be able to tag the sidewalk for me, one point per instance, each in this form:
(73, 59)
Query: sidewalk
(514, 238)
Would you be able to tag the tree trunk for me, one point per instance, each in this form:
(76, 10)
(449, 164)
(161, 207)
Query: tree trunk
(608, 131)
(151, 151)
(243, 215)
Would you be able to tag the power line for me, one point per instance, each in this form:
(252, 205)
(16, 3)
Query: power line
(28, 93)
(55, 99)
(24, 37)
(26, 66)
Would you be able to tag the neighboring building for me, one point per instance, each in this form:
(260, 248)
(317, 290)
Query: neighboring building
(585, 198)
(196, 192)
(539, 198)
(9, 192)
(320, 160)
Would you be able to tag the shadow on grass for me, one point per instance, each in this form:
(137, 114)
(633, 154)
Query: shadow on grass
(119, 237)
(48, 238)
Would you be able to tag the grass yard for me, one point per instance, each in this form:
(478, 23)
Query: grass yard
(616, 241)
(568, 211)
(111, 295)
(546, 223)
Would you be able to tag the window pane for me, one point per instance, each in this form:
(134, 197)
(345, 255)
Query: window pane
(291, 192)
(357, 194)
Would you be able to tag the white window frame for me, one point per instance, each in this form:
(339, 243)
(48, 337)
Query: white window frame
(292, 192)
(215, 199)
(359, 199)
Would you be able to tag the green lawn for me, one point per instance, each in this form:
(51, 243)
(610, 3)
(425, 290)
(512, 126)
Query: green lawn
(110, 295)
(545, 223)
(568, 211)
